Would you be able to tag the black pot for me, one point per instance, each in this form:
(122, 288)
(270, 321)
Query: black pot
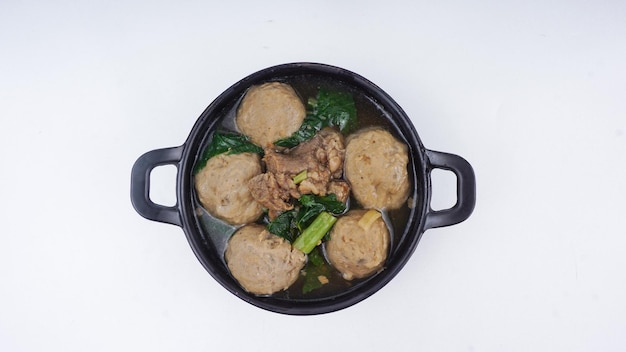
(421, 217)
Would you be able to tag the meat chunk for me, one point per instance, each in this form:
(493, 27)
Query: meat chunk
(325, 151)
(316, 182)
(341, 189)
(321, 157)
(274, 191)
(270, 111)
(358, 251)
(222, 187)
(376, 167)
(261, 262)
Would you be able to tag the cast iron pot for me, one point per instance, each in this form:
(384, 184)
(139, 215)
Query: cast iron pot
(421, 218)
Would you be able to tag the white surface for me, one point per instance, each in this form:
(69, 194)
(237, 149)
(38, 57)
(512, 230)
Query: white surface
(531, 93)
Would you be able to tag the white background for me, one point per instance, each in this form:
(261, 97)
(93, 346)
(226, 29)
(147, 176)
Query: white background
(531, 93)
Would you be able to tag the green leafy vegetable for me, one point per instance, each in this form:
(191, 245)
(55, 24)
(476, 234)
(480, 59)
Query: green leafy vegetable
(336, 107)
(313, 205)
(316, 268)
(330, 108)
(284, 225)
(329, 202)
(312, 235)
(226, 142)
(290, 223)
(305, 215)
(316, 258)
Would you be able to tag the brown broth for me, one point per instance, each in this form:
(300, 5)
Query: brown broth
(369, 113)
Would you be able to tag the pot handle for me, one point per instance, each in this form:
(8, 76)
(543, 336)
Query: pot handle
(465, 190)
(140, 185)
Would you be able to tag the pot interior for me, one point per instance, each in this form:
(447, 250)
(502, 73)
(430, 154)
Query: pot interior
(208, 236)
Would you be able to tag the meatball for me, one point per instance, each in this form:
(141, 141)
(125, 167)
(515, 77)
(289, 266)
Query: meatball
(269, 112)
(261, 262)
(222, 187)
(355, 249)
(376, 167)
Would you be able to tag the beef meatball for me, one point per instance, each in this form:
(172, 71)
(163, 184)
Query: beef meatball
(269, 112)
(261, 262)
(222, 187)
(358, 246)
(376, 167)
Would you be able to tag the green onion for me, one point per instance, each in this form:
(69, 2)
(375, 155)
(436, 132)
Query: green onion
(312, 235)
(300, 177)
